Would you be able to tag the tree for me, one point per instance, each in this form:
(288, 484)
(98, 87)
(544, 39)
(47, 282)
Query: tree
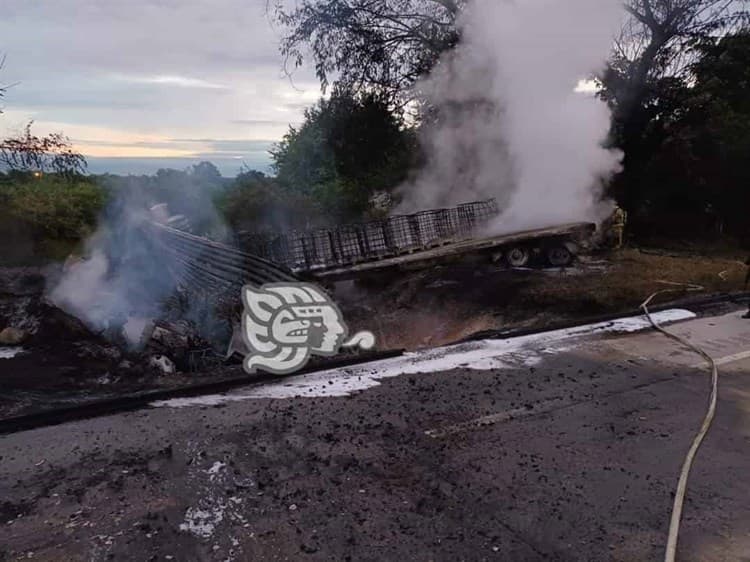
(692, 177)
(719, 124)
(255, 202)
(655, 52)
(30, 153)
(348, 148)
(383, 45)
(206, 174)
(189, 192)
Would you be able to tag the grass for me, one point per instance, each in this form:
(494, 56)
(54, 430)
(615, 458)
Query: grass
(632, 275)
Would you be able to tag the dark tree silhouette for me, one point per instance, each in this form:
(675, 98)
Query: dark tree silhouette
(53, 153)
(382, 45)
(654, 57)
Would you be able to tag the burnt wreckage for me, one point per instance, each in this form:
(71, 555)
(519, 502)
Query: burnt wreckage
(214, 272)
(327, 253)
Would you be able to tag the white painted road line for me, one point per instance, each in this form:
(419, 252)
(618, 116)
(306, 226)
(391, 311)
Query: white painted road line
(726, 360)
(9, 352)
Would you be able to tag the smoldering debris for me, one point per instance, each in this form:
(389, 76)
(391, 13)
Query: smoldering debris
(125, 273)
(84, 353)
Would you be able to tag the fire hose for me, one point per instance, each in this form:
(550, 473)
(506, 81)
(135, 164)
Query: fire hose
(679, 498)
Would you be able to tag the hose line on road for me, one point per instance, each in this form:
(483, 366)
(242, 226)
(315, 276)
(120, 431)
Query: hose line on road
(679, 498)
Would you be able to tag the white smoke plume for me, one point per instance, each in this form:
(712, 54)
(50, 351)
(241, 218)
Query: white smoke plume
(127, 275)
(509, 122)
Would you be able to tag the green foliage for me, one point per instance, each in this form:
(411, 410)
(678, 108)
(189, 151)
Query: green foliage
(348, 148)
(717, 130)
(51, 206)
(255, 202)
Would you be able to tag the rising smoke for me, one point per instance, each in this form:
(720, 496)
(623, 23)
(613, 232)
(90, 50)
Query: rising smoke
(505, 120)
(123, 276)
(126, 275)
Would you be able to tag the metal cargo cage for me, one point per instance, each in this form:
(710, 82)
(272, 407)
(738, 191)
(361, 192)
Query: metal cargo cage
(349, 244)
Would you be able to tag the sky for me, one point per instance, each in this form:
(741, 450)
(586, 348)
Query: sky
(144, 84)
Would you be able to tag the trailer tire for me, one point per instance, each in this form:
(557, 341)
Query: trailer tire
(559, 256)
(518, 256)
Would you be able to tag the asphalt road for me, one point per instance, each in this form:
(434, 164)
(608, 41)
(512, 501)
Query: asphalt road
(558, 447)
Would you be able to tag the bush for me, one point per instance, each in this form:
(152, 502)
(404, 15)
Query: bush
(349, 148)
(51, 206)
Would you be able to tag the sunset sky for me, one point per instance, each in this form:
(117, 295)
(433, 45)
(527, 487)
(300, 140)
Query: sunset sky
(145, 84)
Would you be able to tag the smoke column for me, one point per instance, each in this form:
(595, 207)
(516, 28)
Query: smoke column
(125, 276)
(128, 275)
(506, 121)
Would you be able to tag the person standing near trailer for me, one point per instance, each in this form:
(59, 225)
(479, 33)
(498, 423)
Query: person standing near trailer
(619, 220)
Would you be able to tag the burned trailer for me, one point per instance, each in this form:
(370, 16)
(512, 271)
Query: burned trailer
(350, 251)
(556, 246)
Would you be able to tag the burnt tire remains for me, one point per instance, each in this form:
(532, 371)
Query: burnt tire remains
(518, 256)
(559, 256)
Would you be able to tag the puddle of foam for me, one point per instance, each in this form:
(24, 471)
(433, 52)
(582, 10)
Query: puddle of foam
(9, 352)
(481, 355)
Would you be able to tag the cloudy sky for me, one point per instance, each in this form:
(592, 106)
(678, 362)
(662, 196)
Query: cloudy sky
(143, 84)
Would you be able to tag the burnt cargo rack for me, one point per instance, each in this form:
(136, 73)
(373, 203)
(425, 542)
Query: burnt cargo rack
(554, 246)
(313, 251)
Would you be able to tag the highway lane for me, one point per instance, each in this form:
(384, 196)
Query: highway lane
(564, 446)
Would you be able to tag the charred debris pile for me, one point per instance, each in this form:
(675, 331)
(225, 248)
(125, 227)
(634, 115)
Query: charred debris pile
(30, 323)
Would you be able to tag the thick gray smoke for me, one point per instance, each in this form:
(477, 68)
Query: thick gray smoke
(507, 121)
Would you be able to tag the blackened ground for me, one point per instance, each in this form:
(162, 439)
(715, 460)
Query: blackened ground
(64, 363)
(583, 468)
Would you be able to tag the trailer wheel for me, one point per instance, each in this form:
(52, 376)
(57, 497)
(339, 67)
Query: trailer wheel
(559, 256)
(517, 257)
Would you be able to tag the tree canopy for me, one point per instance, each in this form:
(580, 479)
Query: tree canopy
(369, 45)
(652, 63)
(688, 170)
(348, 148)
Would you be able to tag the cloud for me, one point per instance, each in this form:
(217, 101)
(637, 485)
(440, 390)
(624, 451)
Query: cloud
(230, 144)
(166, 80)
(254, 122)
